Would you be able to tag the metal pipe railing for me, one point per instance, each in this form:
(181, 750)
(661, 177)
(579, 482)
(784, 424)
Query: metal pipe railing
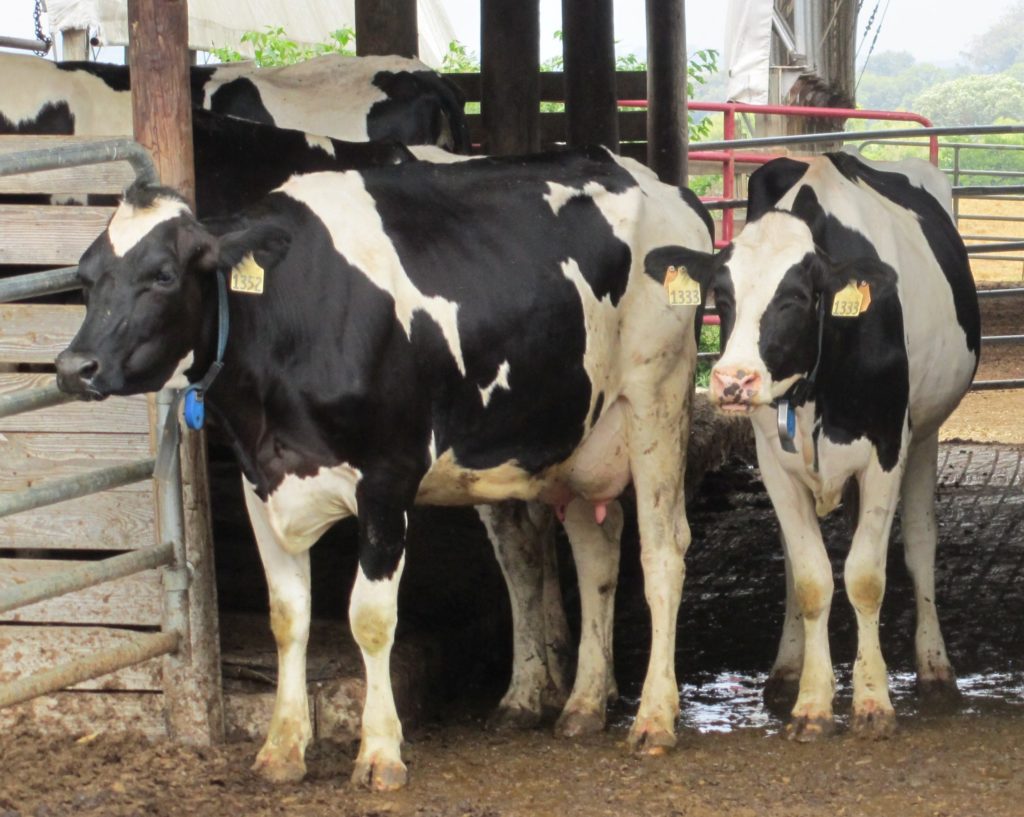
(24, 44)
(140, 648)
(59, 490)
(89, 153)
(42, 397)
(34, 284)
(85, 575)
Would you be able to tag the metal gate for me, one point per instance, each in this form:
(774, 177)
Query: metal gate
(188, 677)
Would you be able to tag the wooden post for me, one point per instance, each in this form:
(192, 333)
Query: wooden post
(666, 90)
(510, 75)
(162, 117)
(74, 44)
(387, 27)
(589, 49)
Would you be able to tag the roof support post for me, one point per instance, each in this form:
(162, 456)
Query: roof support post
(589, 49)
(387, 27)
(666, 90)
(510, 75)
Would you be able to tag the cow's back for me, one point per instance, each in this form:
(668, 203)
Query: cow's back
(855, 210)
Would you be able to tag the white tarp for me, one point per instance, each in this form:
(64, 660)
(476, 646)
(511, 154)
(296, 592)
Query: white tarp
(748, 44)
(222, 22)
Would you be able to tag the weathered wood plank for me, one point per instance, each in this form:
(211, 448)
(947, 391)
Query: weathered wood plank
(112, 520)
(114, 416)
(110, 177)
(29, 457)
(42, 234)
(134, 600)
(26, 650)
(83, 713)
(31, 333)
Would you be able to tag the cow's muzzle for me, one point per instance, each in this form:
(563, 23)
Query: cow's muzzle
(76, 373)
(734, 388)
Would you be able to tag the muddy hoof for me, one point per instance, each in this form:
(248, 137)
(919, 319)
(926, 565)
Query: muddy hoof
(651, 739)
(780, 694)
(938, 694)
(575, 724)
(379, 774)
(553, 700)
(874, 724)
(805, 729)
(275, 768)
(513, 719)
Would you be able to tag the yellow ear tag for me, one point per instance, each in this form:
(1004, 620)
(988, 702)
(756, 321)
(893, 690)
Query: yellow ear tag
(865, 292)
(247, 276)
(681, 288)
(847, 302)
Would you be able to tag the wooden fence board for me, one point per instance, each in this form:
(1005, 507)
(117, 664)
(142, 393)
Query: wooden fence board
(113, 416)
(134, 600)
(112, 520)
(26, 650)
(77, 714)
(29, 457)
(44, 234)
(110, 177)
(34, 333)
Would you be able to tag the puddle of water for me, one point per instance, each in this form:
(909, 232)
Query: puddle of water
(726, 701)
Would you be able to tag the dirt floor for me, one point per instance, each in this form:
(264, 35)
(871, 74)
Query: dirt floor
(731, 759)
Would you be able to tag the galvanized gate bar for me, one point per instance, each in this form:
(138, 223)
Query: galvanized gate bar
(34, 284)
(139, 649)
(43, 397)
(86, 575)
(90, 153)
(992, 385)
(58, 490)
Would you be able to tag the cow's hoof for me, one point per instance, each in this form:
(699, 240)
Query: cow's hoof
(874, 723)
(780, 693)
(575, 723)
(939, 693)
(379, 774)
(806, 729)
(276, 767)
(513, 718)
(649, 738)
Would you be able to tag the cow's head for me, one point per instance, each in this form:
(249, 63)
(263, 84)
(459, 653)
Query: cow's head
(150, 295)
(773, 289)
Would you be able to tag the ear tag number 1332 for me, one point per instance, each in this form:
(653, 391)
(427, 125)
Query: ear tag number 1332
(682, 290)
(247, 276)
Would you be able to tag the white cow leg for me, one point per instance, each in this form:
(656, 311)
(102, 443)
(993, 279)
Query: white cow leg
(519, 553)
(558, 642)
(657, 451)
(864, 575)
(282, 758)
(936, 681)
(783, 685)
(811, 716)
(595, 549)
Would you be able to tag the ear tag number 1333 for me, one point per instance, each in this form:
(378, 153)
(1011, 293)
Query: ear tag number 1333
(681, 289)
(851, 301)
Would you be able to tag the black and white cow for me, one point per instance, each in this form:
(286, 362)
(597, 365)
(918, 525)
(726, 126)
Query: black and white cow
(848, 296)
(434, 334)
(352, 98)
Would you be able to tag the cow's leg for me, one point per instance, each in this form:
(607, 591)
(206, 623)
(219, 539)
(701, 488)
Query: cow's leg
(595, 549)
(780, 692)
(282, 758)
(811, 716)
(658, 431)
(864, 575)
(519, 553)
(936, 680)
(373, 616)
(557, 640)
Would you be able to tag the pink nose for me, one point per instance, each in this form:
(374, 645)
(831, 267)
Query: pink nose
(732, 385)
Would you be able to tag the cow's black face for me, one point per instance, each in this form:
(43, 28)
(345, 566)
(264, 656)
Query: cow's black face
(788, 339)
(144, 304)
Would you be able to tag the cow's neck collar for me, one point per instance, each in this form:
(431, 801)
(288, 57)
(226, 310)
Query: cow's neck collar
(193, 395)
(799, 393)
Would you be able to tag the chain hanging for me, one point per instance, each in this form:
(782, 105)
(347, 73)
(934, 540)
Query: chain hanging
(37, 15)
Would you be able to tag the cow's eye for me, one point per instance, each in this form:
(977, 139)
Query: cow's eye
(164, 276)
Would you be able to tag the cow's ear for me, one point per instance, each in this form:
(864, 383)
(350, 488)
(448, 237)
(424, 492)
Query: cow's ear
(197, 248)
(665, 263)
(878, 275)
(267, 243)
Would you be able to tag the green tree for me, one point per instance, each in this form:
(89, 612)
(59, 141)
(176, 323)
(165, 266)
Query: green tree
(978, 99)
(1002, 45)
(273, 46)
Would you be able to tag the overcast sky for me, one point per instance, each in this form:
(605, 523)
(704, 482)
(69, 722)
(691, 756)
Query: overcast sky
(917, 26)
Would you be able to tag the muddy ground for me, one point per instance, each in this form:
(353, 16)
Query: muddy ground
(731, 759)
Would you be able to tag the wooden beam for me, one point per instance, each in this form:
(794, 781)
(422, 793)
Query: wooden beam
(589, 49)
(387, 27)
(74, 44)
(510, 83)
(162, 117)
(666, 90)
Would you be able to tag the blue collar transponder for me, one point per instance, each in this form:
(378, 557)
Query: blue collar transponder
(193, 394)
